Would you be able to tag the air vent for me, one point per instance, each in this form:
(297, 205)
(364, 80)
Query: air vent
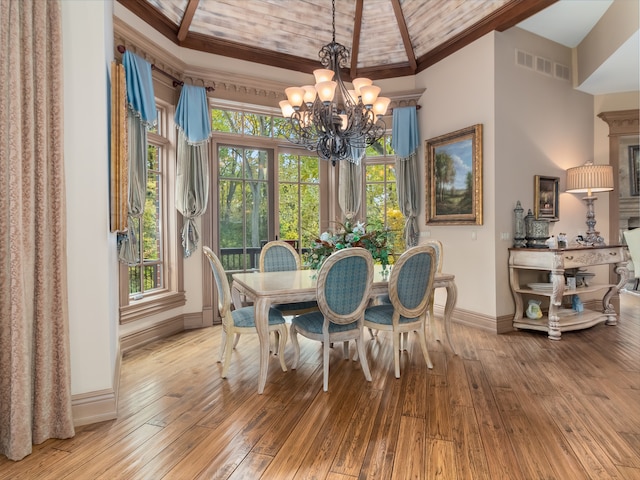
(561, 71)
(524, 59)
(544, 65)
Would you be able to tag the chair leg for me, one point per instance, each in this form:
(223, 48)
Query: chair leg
(396, 353)
(363, 359)
(235, 343)
(423, 345)
(282, 340)
(223, 344)
(345, 349)
(227, 355)
(296, 346)
(325, 366)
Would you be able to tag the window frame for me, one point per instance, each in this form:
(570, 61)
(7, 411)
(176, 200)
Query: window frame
(171, 295)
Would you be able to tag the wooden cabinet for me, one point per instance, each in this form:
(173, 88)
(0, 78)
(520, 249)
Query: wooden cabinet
(556, 261)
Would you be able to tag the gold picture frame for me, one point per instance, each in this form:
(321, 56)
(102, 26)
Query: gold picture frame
(454, 178)
(545, 198)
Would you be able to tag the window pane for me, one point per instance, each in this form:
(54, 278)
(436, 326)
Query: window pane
(226, 121)
(309, 169)
(230, 162)
(257, 222)
(257, 125)
(152, 277)
(376, 149)
(375, 173)
(281, 127)
(288, 209)
(375, 203)
(135, 280)
(230, 215)
(288, 168)
(310, 212)
(387, 140)
(256, 164)
(152, 157)
(151, 236)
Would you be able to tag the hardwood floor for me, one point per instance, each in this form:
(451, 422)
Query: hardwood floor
(513, 406)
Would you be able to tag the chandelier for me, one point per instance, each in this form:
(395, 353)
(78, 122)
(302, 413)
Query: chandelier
(329, 118)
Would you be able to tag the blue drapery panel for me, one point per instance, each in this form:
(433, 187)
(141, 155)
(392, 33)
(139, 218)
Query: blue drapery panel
(192, 114)
(405, 142)
(140, 95)
(192, 181)
(405, 138)
(142, 115)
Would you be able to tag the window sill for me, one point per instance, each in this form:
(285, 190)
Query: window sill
(139, 309)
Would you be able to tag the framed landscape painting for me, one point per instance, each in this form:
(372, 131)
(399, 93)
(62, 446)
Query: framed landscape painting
(454, 178)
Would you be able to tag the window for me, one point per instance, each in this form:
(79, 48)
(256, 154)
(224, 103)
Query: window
(265, 189)
(153, 284)
(381, 198)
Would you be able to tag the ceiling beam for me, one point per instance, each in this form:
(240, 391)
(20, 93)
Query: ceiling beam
(355, 44)
(404, 32)
(187, 18)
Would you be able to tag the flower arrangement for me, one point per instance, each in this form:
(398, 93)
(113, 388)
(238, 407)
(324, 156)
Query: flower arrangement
(374, 237)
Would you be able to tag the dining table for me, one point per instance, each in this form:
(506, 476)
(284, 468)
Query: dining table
(265, 289)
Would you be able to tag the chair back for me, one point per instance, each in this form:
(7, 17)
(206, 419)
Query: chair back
(632, 237)
(411, 280)
(222, 284)
(437, 246)
(278, 256)
(344, 283)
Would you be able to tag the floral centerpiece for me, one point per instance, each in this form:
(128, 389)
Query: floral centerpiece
(374, 237)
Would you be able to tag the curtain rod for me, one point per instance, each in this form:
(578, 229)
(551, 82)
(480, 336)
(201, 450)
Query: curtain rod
(176, 81)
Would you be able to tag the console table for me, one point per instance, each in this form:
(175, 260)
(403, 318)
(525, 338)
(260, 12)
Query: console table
(556, 261)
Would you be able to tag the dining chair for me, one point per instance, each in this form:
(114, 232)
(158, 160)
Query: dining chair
(241, 320)
(632, 237)
(410, 290)
(280, 256)
(343, 286)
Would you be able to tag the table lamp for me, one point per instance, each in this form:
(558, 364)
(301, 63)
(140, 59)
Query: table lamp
(590, 178)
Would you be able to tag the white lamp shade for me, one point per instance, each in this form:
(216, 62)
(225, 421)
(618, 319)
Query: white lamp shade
(590, 178)
(287, 109)
(295, 95)
(309, 94)
(326, 90)
(381, 105)
(358, 83)
(323, 75)
(369, 94)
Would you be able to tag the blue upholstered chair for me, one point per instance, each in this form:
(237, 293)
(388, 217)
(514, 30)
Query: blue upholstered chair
(279, 256)
(241, 320)
(343, 286)
(410, 291)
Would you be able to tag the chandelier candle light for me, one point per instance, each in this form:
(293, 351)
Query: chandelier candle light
(590, 178)
(328, 117)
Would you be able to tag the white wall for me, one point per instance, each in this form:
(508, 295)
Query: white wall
(91, 264)
(459, 93)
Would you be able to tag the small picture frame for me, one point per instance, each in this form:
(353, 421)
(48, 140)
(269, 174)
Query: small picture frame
(545, 198)
(634, 170)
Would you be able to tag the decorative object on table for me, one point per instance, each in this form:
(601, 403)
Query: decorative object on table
(583, 278)
(373, 237)
(537, 231)
(329, 119)
(545, 198)
(533, 310)
(454, 178)
(590, 178)
(519, 234)
(576, 304)
(562, 240)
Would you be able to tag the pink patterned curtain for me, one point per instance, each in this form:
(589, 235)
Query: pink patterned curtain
(35, 386)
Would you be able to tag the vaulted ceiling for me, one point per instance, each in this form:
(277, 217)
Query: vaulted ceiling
(386, 38)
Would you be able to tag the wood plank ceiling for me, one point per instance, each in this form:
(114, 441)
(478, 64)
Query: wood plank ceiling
(386, 38)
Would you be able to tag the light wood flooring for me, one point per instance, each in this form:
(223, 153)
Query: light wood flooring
(513, 406)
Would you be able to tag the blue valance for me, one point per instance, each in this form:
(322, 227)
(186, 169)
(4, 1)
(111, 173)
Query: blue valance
(192, 114)
(140, 87)
(405, 137)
